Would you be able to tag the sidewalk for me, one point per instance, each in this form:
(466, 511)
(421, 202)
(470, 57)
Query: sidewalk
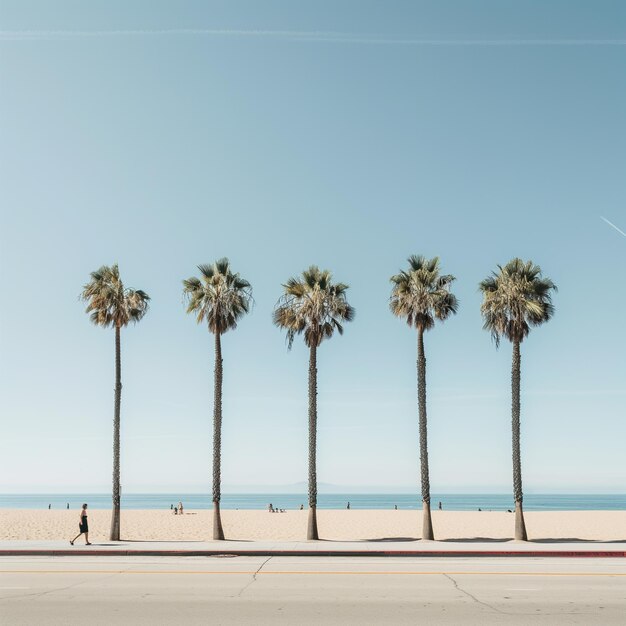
(317, 548)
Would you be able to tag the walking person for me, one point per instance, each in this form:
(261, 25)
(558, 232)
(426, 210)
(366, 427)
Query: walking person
(180, 508)
(82, 526)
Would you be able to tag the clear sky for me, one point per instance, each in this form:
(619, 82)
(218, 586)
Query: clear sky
(162, 135)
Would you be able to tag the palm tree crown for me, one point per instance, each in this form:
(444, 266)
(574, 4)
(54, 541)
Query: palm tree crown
(312, 305)
(109, 302)
(219, 297)
(515, 299)
(421, 294)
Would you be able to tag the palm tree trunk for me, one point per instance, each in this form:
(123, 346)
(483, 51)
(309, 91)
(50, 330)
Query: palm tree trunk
(520, 526)
(312, 525)
(218, 531)
(427, 523)
(115, 516)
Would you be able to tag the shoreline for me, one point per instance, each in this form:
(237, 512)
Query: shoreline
(334, 525)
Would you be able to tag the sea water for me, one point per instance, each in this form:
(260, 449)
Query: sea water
(449, 501)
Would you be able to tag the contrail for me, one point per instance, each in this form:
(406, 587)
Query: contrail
(79, 34)
(298, 35)
(619, 230)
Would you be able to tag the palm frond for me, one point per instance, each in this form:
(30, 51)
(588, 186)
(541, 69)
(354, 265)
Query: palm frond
(312, 306)
(516, 297)
(220, 298)
(421, 294)
(109, 303)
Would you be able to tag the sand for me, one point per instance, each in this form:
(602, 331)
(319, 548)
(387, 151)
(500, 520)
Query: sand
(291, 526)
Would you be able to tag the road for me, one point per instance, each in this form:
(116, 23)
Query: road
(311, 590)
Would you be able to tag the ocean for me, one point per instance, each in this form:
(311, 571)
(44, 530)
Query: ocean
(449, 501)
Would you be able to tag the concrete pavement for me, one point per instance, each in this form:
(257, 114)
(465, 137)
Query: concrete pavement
(306, 590)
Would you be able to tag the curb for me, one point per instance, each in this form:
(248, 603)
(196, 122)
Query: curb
(619, 554)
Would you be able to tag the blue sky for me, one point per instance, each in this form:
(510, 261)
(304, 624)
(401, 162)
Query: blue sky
(281, 134)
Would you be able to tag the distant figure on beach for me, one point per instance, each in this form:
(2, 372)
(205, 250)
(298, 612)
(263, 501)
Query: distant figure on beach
(180, 508)
(302, 507)
(68, 506)
(175, 510)
(270, 508)
(171, 507)
(348, 507)
(480, 509)
(82, 526)
(49, 506)
(440, 506)
(509, 511)
(395, 506)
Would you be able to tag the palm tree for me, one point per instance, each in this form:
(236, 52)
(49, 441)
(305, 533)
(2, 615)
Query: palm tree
(220, 299)
(515, 299)
(313, 306)
(112, 304)
(421, 295)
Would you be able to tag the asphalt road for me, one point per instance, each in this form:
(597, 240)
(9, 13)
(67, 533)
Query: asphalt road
(311, 590)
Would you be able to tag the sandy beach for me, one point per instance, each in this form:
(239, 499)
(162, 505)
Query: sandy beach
(355, 525)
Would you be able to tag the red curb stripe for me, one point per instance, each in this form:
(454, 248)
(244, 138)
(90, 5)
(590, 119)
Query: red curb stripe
(325, 553)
